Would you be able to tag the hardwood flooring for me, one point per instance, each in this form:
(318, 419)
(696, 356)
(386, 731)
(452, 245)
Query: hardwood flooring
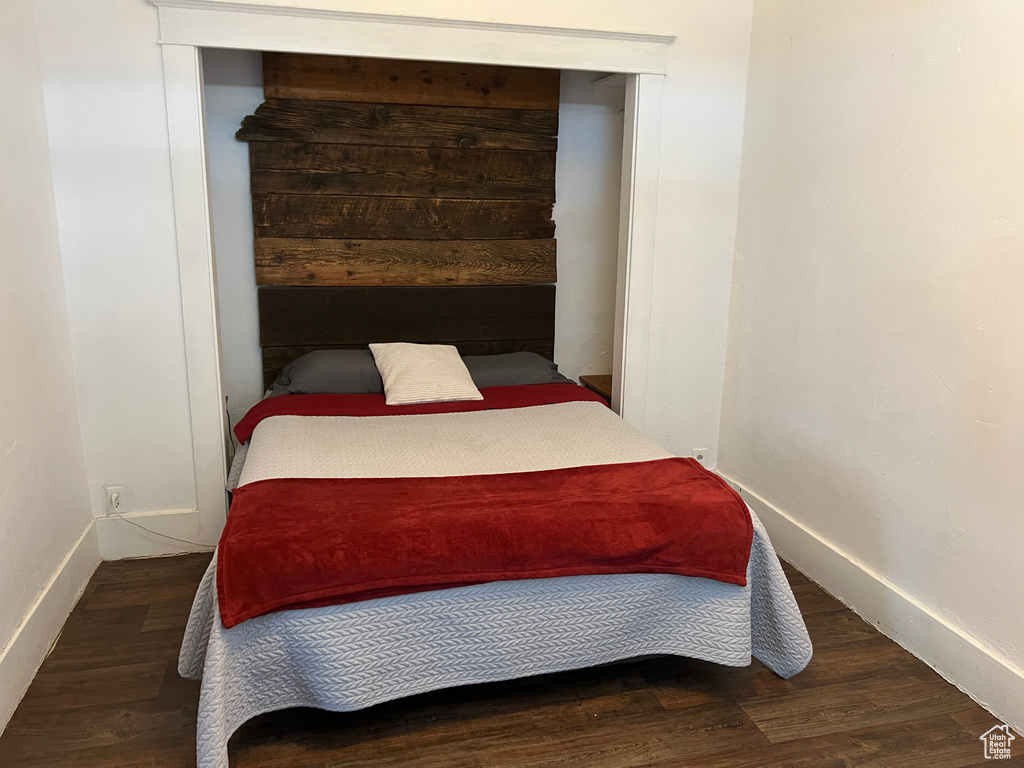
(109, 695)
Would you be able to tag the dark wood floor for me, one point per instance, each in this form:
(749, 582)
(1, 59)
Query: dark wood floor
(109, 695)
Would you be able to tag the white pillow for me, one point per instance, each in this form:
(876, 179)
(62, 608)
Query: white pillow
(423, 373)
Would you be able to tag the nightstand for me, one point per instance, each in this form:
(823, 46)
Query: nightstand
(601, 384)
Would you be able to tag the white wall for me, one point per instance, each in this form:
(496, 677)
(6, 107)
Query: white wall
(874, 398)
(44, 507)
(234, 88)
(105, 106)
(586, 213)
(700, 168)
(588, 168)
(103, 87)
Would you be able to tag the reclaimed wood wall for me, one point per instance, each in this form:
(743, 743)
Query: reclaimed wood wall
(382, 172)
(479, 320)
(370, 172)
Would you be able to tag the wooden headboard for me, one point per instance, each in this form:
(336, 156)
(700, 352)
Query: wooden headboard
(403, 201)
(478, 320)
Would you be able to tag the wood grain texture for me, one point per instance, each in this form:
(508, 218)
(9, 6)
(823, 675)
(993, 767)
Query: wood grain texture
(350, 78)
(430, 160)
(354, 169)
(937, 742)
(599, 383)
(109, 696)
(400, 125)
(276, 358)
(857, 704)
(399, 218)
(327, 316)
(304, 261)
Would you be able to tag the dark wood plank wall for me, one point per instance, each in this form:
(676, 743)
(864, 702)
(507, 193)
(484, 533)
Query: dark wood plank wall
(369, 172)
(321, 261)
(398, 125)
(349, 78)
(398, 218)
(478, 320)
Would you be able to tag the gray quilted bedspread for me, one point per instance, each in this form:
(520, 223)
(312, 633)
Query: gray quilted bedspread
(352, 656)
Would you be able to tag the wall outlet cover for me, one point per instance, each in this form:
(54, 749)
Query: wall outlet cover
(116, 499)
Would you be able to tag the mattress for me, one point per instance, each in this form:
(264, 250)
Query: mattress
(352, 656)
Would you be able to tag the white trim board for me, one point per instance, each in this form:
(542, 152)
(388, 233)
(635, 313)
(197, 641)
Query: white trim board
(990, 679)
(638, 217)
(313, 28)
(183, 87)
(151, 534)
(27, 648)
(326, 11)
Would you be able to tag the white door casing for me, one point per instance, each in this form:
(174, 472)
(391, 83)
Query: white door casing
(187, 26)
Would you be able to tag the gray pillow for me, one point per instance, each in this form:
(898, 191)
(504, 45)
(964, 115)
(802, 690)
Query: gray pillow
(330, 371)
(512, 369)
(353, 372)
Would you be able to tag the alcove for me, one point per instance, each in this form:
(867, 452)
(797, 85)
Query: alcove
(587, 177)
(187, 27)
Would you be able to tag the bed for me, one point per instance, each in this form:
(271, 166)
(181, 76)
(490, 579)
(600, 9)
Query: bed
(358, 653)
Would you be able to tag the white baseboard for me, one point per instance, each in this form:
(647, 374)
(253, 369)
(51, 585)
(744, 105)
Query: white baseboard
(150, 534)
(989, 678)
(21, 657)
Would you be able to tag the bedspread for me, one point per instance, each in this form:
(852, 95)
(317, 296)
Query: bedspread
(346, 657)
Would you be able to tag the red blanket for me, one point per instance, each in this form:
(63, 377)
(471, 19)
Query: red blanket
(296, 543)
(373, 405)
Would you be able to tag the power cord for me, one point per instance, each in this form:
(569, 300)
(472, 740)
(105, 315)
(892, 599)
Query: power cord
(157, 533)
(115, 500)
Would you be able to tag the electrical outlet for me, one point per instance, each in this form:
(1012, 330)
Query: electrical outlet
(701, 455)
(116, 499)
